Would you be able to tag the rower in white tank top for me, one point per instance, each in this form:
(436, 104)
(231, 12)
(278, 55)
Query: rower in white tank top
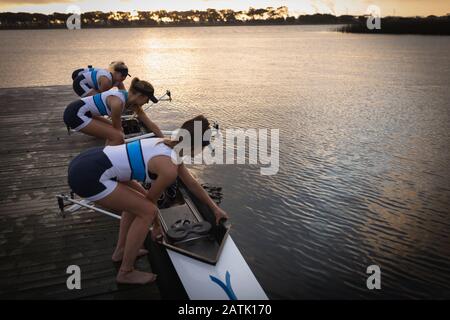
(93, 77)
(79, 113)
(87, 81)
(130, 161)
(87, 114)
(80, 71)
(98, 105)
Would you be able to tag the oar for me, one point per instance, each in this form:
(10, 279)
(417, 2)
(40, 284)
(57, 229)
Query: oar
(148, 135)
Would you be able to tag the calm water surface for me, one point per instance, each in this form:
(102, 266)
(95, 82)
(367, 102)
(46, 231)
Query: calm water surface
(364, 142)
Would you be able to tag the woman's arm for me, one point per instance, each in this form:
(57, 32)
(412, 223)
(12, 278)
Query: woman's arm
(167, 173)
(91, 93)
(116, 107)
(133, 184)
(116, 118)
(148, 123)
(104, 84)
(198, 191)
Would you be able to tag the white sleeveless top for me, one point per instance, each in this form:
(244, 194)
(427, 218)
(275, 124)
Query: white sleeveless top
(97, 104)
(85, 70)
(93, 77)
(130, 160)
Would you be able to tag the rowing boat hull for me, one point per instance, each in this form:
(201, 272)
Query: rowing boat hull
(203, 281)
(181, 276)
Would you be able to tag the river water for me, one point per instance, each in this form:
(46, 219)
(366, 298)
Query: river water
(364, 120)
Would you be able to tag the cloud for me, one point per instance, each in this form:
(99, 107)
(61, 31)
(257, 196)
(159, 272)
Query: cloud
(320, 5)
(331, 5)
(35, 2)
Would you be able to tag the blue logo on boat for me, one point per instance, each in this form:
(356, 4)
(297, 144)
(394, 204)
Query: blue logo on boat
(225, 286)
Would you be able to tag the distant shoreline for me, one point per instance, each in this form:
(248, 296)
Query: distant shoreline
(402, 26)
(163, 18)
(431, 25)
(177, 26)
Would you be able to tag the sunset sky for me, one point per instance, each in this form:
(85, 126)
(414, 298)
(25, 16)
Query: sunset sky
(296, 7)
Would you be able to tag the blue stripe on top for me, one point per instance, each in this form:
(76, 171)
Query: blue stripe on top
(94, 79)
(99, 104)
(136, 159)
(125, 94)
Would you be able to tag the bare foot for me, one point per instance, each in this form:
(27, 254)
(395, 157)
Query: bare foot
(135, 277)
(118, 254)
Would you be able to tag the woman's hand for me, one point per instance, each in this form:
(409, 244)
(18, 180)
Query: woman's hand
(220, 214)
(150, 125)
(192, 184)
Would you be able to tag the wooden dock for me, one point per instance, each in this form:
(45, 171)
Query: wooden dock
(37, 245)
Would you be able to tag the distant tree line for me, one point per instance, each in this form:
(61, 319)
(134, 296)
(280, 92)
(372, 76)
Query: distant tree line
(209, 17)
(213, 17)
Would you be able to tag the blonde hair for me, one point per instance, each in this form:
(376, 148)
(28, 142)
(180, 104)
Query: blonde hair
(113, 66)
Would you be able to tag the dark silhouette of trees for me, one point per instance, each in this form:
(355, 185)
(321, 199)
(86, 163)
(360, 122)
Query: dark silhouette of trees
(318, 19)
(97, 19)
(213, 17)
(431, 25)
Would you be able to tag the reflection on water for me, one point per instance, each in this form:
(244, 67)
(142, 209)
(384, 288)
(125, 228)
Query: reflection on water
(364, 132)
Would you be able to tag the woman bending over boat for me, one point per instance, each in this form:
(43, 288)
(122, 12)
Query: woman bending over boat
(108, 176)
(90, 81)
(87, 114)
(77, 72)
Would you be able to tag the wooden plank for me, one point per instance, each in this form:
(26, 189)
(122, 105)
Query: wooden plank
(36, 245)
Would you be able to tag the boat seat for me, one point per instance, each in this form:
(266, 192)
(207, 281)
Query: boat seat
(183, 228)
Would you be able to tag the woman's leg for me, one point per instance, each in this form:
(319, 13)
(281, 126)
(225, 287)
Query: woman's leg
(105, 131)
(102, 119)
(133, 184)
(80, 86)
(106, 121)
(125, 199)
(87, 90)
(157, 232)
(125, 223)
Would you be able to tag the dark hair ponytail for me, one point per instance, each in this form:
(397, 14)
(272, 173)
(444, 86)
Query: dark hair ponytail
(134, 82)
(142, 87)
(189, 125)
